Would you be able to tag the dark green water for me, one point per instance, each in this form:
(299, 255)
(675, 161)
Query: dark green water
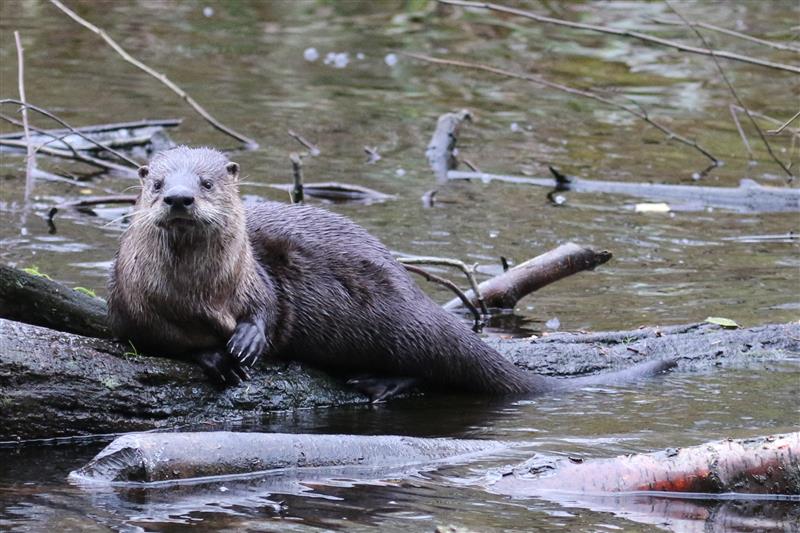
(245, 64)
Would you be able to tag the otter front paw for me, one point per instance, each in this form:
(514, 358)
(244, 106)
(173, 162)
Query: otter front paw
(247, 343)
(220, 368)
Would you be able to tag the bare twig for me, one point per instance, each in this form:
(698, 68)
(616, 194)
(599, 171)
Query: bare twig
(84, 203)
(746, 143)
(53, 117)
(469, 272)
(570, 90)
(732, 33)
(733, 91)
(312, 149)
(30, 160)
(624, 33)
(470, 165)
(55, 137)
(297, 176)
(450, 285)
(784, 125)
(65, 154)
(157, 75)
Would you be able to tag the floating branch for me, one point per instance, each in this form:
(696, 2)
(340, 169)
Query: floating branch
(748, 197)
(75, 156)
(623, 33)
(77, 132)
(250, 143)
(635, 111)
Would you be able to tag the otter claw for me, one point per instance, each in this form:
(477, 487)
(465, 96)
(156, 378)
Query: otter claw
(247, 343)
(221, 369)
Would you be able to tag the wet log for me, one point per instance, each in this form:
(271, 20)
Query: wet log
(505, 290)
(748, 197)
(441, 148)
(123, 135)
(761, 465)
(39, 300)
(55, 384)
(160, 457)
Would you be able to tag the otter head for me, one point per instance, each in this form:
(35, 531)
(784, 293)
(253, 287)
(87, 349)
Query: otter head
(186, 189)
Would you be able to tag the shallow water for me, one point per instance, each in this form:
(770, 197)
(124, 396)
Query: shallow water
(246, 64)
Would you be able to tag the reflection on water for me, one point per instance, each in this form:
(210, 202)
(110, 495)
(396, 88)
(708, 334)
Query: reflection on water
(736, 402)
(247, 62)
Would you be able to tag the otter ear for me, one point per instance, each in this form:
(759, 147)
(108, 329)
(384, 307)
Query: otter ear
(143, 172)
(233, 170)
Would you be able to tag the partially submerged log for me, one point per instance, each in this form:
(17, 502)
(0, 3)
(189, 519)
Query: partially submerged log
(58, 384)
(333, 190)
(749, 197)
(761, 465)
(164, 457)
(441, 148)
(124, 135)
(505, 290)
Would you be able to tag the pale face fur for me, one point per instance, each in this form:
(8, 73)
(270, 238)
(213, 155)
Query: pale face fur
(181, 283)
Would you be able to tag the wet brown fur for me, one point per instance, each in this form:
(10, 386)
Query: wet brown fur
(329, 293)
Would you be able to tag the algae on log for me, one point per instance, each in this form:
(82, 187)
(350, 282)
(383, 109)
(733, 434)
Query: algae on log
(56, 384)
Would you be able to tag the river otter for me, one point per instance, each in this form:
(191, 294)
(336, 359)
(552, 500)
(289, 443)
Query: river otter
(200, 276)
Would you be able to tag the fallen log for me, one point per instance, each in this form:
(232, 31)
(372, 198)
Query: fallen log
(160, 457)
(762, 465)
(55, 384)
(748, 197)
(505, 290)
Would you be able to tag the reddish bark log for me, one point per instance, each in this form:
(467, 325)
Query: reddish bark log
(762, 465)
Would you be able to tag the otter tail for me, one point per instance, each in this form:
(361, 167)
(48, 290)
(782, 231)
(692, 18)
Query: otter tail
(641, 370)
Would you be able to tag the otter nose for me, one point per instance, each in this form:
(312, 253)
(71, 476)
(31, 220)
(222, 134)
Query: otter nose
(179, 197)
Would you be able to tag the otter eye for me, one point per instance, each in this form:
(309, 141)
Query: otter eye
(157, 185)
(207, 184)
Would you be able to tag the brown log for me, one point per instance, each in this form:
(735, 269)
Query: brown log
(763, 465)
(505, 290)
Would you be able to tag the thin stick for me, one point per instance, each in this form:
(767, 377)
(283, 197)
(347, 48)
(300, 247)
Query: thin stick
(51, 116)
(450, 285)
(784, 125)
(570, 90)
(312, 149)
(157, 75)
(297, 177)
(623, 33)
(445, 261)
(733, 91)
(101, 163)
(30, 160)
(746, 143)
(726, 31)
(56, 138)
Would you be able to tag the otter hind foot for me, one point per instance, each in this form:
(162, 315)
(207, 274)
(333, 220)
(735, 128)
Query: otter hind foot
(221, 369)
(248, 342)
(382, 389)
